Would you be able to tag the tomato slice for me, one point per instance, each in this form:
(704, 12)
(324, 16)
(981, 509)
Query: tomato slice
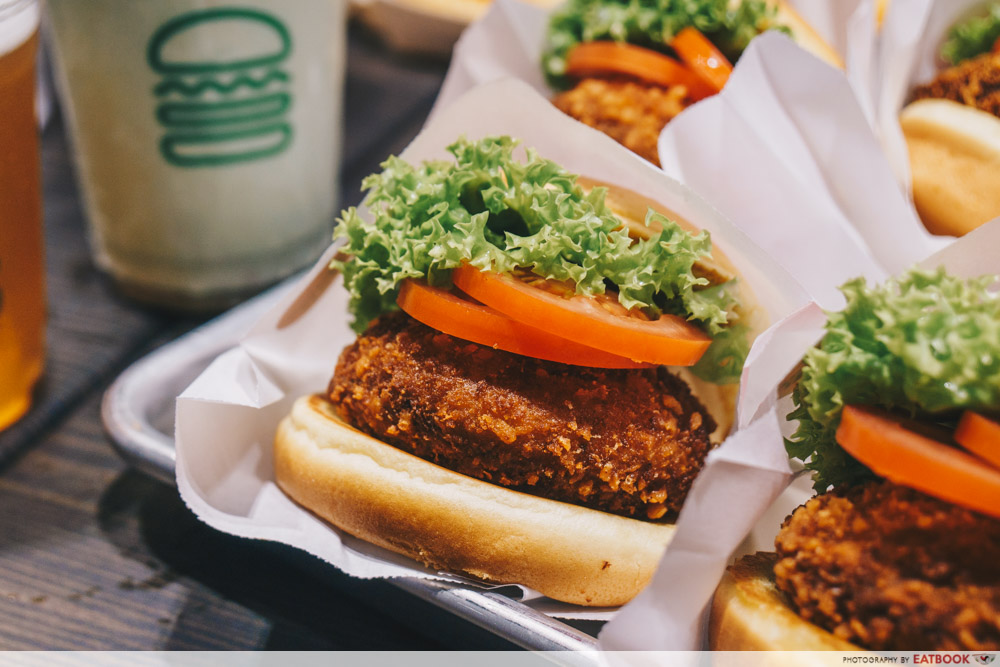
(701, 56)
(979, 435)
(905, 457)
(595, 321)
(606, 58)
(462, 318)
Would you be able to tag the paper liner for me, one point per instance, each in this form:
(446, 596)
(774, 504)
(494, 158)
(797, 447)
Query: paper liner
(786, 151)
(226, 419)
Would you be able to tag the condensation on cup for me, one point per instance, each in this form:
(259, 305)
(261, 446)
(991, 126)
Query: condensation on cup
(207, 138)
(22, 277)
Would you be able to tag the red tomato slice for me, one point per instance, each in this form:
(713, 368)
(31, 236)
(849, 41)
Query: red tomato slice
(595, 321)
(979, 435)
(462, 318)
(907, 458)
(701, 56)
(608, 58)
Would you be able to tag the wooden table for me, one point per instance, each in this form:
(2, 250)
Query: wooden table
(94, 555)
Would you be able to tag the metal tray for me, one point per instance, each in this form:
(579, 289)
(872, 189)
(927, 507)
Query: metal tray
(140, 423)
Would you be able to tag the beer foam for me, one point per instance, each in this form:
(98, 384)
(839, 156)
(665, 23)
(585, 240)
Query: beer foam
(18, 22)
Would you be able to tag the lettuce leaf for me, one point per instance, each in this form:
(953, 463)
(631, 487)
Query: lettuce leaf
(492, 211)
(926, 344)
(973, 37)
(652, 24)
(723, 362)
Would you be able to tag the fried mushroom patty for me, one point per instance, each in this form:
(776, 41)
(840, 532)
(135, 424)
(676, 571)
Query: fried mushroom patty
(974, 82)
(623, 441)
(889, 568)
(630, 112)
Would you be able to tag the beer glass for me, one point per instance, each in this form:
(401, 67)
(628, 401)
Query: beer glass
(22, 287)
(207, 135)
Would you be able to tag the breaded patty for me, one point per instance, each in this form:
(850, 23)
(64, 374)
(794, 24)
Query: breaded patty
(889, 568)
(623, 441)
(974, 82)
(631, 113)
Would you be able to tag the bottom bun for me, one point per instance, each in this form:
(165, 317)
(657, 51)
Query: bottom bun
(452, 522)
(955, 164)
(749, 613)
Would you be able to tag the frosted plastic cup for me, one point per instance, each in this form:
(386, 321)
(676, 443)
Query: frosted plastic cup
(207, 138)
(22, 277)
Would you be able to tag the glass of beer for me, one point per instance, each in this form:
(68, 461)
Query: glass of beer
(22, 286)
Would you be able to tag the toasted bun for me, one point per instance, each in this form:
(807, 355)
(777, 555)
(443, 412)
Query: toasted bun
(749, 613)
(806, 36)
(452, 522)
(955, 163)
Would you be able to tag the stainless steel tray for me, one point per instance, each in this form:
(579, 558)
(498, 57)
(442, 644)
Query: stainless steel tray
(140, 423)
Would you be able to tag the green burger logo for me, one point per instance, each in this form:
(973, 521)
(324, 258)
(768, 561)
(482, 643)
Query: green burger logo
(224, 98)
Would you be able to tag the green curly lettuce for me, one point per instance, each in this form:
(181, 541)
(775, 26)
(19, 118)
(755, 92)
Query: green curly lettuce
(925, 345)
(494, 212)
(652, 24)
(972, 37)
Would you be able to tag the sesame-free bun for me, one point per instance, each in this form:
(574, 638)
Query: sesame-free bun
(955, 164)
(749, 613)
(456, 523)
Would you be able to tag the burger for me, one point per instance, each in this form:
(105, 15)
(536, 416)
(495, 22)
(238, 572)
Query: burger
(542, 365)
(627, 68)
(897, 418)
(952, 130)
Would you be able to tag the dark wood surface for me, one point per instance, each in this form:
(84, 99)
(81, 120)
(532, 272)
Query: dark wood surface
(94, 555)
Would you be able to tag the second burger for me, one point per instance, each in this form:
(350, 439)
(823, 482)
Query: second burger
(627, 68)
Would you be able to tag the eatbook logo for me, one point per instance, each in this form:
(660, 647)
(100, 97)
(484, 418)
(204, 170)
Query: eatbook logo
(223, 97)
(984, 658)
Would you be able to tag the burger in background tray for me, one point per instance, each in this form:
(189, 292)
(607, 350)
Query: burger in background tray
(900, 550)
(507, 411)
(952, 129)
(627, 68)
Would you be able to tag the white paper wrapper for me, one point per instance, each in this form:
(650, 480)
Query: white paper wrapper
(786, 152)
(740, 479)
(226, 419)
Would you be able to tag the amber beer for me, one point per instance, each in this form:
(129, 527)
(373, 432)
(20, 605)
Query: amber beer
(22, 290)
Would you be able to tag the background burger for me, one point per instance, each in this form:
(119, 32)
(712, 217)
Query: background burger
(897, 412)
(952, 129)
(506, 411)
(627, 68)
